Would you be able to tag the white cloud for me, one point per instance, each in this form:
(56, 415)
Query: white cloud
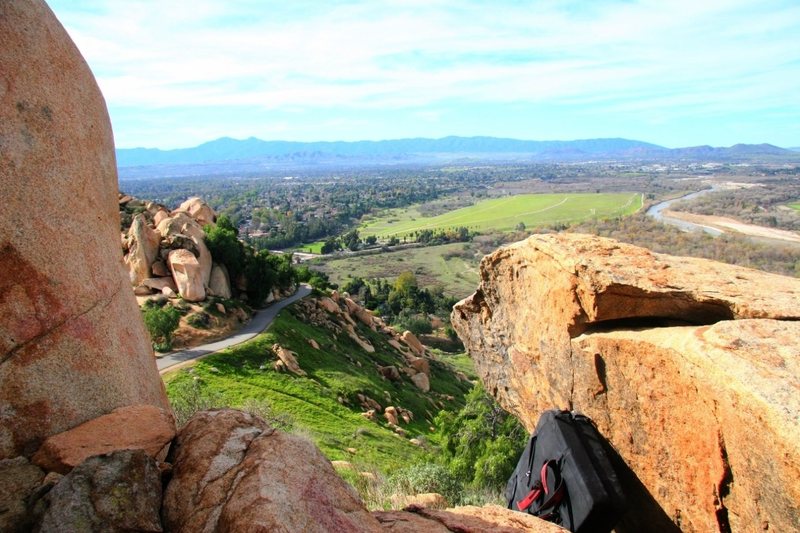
(199, 53)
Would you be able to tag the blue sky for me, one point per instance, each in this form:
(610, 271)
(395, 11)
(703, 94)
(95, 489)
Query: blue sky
(673, 72)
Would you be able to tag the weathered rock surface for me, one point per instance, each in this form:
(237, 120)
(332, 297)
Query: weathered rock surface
(74, 316)
(412, 342)
(232, 472)
(219, 284)
(118, 492)
(180, 228)
(159, 284)
(467, 519)
(198, 210)
(289, 359)
(688, 366)
(142, 249)
(421, 381)
(137, 427)
(188, 275)
(19, 480)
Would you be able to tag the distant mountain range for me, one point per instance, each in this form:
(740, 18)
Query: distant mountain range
(420, 149)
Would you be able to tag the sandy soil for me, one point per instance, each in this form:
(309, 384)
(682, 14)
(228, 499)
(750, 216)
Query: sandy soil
(730, 225)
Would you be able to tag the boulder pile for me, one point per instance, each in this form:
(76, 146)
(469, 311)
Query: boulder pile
(165, 252)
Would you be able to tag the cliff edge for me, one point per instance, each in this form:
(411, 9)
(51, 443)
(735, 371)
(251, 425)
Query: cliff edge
(689, 367)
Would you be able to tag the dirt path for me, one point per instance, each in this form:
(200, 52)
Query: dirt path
(730, 225)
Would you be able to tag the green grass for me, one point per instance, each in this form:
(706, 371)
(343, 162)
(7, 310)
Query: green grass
(503, 214)
(795, 206)
(310, 248)
(432, 265)
(323, 404)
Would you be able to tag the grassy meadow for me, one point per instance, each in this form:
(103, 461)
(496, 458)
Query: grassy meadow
(446, 265)
(504, 214)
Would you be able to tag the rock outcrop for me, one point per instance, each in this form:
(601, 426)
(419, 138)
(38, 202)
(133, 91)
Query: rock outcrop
(73, 315)
(142, 249)
(688, 366)
(232, 472)
(467, 519)
(198, 210)
(117, 492)
(188, 275)
(135, 427)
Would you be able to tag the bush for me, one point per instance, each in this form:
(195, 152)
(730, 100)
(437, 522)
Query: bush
(161, 323)
(418, 325)
(426, 477)
(481, 443)
(188, 397)
(199, 320)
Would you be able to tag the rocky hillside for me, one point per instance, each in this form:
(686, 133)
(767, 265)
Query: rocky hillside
(360, 390)
(689, 367)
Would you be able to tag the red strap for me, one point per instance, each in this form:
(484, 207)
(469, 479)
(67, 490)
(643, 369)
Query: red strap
(543, 476)
(529, 499)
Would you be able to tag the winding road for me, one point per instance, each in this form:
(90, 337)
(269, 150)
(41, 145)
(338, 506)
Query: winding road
(259, 323)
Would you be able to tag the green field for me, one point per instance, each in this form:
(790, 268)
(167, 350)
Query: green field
(503, 214)
(795, 206)
(448, 266)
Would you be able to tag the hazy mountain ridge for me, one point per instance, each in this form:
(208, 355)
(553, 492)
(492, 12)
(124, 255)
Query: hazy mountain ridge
(228, 149)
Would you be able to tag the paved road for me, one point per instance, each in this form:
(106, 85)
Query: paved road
(260, 321)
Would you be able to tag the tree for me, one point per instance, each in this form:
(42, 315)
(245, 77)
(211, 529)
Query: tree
(481, 443)
(371, 240)
(225, 246)
(261, 277)
(405, 283)
(161, 323)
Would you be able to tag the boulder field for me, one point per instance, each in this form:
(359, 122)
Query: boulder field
(689, 367)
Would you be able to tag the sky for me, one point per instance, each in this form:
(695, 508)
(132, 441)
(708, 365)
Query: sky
(177, 73)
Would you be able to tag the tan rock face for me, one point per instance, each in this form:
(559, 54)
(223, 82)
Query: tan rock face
(135, 427)
(198, 210)
(289, 358)
(142, 249)
(72, 342)
(181, 226)
(467, 519)
(219, 283)
(422, 382)
(413, 342)
(689, 367)
(188, 275)
(232, 472)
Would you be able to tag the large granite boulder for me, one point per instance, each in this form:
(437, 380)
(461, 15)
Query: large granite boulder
(115, 493)
(72, 342)
(232, 472)
(689, 367)
(143, 244)
(179, 228)
(187, 274)
(196, 208)
(220, 283)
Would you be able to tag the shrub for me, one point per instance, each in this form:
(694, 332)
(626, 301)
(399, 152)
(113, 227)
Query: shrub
(188, 397)
(481, 443)
(199, 320)
(161, 323)
(420, 478)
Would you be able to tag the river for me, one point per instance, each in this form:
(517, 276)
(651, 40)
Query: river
(656, 212)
